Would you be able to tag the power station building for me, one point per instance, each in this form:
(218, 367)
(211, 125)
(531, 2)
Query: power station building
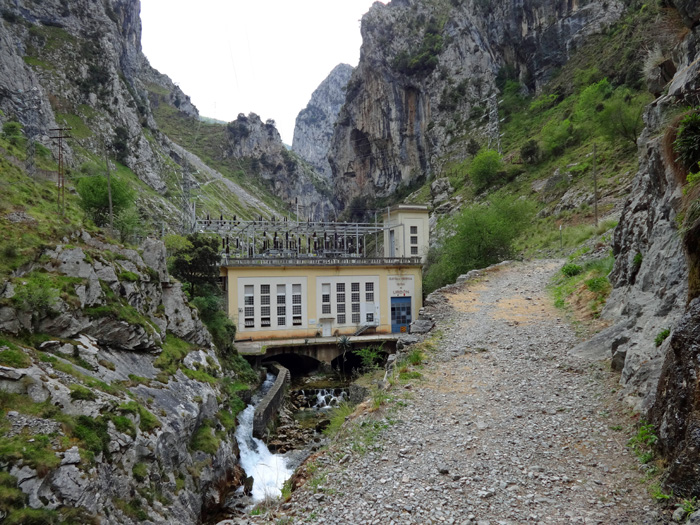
(291, 279)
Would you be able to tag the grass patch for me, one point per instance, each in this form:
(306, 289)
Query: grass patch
(205, 439)
(147, 421)
(14, 357)
(174, 352)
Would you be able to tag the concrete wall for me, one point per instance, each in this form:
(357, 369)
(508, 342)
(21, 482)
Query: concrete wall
(270, 404)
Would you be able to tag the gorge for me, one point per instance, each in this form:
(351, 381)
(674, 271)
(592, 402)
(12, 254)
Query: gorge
(119, 392)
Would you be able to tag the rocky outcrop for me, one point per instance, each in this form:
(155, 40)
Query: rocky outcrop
(109, 322)
(314, 124)
(289, 178)
(424, 68)
(81, 66)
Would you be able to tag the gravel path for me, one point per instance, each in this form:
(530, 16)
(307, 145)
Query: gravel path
(504, 428)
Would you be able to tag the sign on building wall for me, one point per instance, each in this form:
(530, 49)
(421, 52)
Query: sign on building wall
(400, 286)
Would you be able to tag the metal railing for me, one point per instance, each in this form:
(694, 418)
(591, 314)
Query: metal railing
(320, 261)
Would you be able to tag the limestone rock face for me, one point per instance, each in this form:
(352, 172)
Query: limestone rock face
(288, 176)
(675, 413)
(108, 325)
(314, 125)
(422, 65)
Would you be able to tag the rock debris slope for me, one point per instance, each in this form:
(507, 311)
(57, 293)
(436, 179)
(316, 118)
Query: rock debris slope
(505, 428)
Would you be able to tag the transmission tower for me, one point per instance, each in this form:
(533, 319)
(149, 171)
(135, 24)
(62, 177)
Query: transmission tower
(494, 128)
(58, 135)
(188, 211)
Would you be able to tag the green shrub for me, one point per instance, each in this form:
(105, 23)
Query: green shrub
(571, 269)
(80, 393)
(485, 168)
(598, 284)
(12, 132)
(661, 336)
(687, 143)
(557, 135)
(370, 356)
(637, 260)
(36, 293)
(140, 471)
(93, 433)
(124, 425)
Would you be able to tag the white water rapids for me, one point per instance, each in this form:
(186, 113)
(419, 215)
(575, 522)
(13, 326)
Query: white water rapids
(269, 471)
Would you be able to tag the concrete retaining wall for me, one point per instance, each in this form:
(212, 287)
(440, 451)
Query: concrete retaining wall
(270, 404)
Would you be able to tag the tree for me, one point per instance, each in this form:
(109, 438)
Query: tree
(197, 265)
(483, 235)
(12, 132)
(622, 116)
(485, 168)
(530, 151)
(94, 197)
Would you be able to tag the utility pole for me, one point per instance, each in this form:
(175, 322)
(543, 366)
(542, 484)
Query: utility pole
(58, 135)
(109, 188)
(595, 186)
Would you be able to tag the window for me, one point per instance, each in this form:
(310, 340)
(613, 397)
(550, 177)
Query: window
(340, 298)
(296, 309)
(326, 293)
(265, 311)
(370, 318)
(414, 250)
(355, 318)
(341, 319)
(297, 321)
(355, 307)
(265, 295)
(356, 297)
(248, 298)
(265, 321)
(281, 315)
(355, 287)
(296, 299)
(281, 293)
(414, 230)
(369, 297)
(341, 308)
(249, 311)
(250, 323)
(340, 287)
(414, 240)
(326, 308)
(369, 287)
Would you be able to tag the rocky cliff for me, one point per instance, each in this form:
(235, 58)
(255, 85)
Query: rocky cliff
(427, 68)
(653, 309)
(289, 177)
(117, 405)
(80, 65)
(314, 125)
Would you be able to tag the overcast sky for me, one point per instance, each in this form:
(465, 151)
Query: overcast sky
(242, 56)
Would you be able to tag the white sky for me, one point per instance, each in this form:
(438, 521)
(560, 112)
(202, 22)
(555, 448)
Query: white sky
(242, 56)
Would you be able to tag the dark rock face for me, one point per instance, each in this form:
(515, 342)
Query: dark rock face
(314, 125)
(416, 77)
(676, 412)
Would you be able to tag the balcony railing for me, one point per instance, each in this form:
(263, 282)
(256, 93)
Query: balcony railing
(321, 261)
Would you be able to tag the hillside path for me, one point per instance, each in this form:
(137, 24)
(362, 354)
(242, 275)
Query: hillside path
(504, 428)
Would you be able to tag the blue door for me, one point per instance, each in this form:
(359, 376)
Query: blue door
(400, 314)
